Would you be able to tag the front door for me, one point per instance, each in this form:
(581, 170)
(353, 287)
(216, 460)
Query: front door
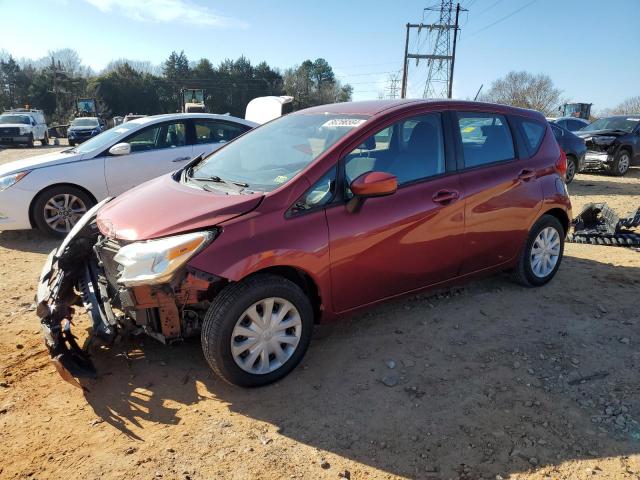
(404, 241)
(155, 150)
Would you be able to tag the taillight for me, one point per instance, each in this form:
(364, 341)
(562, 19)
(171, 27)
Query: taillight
(561, 164)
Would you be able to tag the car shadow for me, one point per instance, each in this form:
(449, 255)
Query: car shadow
(477, 387)
(28, 241)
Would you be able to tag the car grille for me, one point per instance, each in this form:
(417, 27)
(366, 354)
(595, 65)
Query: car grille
(12, 131)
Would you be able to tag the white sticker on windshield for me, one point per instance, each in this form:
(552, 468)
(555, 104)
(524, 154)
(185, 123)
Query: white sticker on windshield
(344, 122)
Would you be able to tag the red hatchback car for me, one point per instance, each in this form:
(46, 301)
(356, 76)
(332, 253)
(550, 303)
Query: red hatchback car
(310, 217)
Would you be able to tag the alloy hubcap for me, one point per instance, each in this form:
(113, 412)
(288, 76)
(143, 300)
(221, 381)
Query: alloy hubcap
(545, 252)
(266, 335)
(571, 169)
(63, 211)
(623, 163)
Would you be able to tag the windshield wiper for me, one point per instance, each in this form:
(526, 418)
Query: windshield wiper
(216, 179)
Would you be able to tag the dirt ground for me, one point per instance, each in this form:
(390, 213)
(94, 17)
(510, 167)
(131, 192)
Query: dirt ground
(489, 380)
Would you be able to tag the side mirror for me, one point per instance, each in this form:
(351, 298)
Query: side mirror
(374, 184)
(120, 149)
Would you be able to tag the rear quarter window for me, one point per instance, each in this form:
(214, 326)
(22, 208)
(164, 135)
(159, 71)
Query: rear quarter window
(533, 133)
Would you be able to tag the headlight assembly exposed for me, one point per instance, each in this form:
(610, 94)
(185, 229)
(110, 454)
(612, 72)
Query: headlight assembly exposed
(8, 180)
(155, 261)
(604, 140)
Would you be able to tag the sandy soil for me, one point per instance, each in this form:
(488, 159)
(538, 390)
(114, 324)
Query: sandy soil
(489, 380)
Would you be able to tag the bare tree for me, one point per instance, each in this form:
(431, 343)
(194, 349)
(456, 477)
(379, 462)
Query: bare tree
(629, 106)
(525, 90)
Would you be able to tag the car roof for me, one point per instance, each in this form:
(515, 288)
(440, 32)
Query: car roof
(375, 107)
(186, 116)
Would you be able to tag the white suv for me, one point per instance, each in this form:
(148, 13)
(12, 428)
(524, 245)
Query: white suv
(23, 126)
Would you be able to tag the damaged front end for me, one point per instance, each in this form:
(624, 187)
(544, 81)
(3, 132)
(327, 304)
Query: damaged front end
(125, 287)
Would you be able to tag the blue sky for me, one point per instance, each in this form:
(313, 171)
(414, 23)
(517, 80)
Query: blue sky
(589, 48)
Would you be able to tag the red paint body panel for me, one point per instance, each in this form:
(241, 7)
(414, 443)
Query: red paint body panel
(390, 246)
(164, 207)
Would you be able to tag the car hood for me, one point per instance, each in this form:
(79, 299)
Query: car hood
(163, 207)
(76, 129)
(13, 125)
(597, 133)
(39, 161)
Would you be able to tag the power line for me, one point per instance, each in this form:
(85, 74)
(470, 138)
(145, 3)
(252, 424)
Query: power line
(503, 18)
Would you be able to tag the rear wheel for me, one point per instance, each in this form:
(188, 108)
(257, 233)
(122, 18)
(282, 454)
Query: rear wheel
(572, 169)
(58, 209)
(542, 253)
(621, 163)
(256, 331)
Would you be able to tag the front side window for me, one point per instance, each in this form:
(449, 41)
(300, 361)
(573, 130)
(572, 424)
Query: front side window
(167, 135)
(271, 155)
(412, 149)
(319, 195)
(486, 138)
(208, 131)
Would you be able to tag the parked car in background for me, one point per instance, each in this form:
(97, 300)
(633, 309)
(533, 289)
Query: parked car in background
(310, 217)
(51, 192)
(23, 126)
(131, 116)
(84, 128)
(613, 143)
(572, 124)
(574, 148)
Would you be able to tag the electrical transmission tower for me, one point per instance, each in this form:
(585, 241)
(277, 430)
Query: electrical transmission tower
(441, 61)
(392, 85)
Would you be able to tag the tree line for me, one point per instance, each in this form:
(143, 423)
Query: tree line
(127, 86)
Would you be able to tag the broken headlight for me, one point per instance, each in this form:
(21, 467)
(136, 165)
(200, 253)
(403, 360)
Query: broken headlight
(603, 140)
(155, 261)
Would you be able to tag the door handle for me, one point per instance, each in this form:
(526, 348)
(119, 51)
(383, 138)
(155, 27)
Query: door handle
(526, 175)
(180, 159)
(445, 196)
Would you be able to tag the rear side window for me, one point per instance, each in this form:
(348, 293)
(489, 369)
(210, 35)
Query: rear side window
(533, 134)
(486, 138)
(217, 132)
(557, 131)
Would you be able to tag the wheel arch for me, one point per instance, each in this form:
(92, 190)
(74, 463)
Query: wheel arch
(55, 185)
(562, 217)
(303, 280)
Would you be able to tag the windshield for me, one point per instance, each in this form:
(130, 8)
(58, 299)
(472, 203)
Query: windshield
(105, 139)
(84, 122)
(271, 155)
(6, 119)
(613, 123)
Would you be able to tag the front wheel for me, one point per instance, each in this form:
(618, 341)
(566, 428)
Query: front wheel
(257, 330)
(45, 140)
(30, 143)
(542, 253)
(621, 163)
(58, 209)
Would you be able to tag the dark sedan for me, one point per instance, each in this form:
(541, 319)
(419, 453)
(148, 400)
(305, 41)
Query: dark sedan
(574, 147)
(84, 128)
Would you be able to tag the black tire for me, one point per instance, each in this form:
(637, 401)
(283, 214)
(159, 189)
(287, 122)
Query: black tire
(229, 306)
(572, 169)
(30, 143)
(38, 209)
(523, 272)
(45, 140)
(71, 143)
(621, 163)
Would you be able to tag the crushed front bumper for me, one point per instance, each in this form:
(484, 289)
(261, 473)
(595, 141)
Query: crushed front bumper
(594, 159)
(56, 298)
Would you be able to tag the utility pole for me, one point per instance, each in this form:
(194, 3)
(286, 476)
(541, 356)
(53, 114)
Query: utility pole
(442, 59)
(392, 88)
(453, 55)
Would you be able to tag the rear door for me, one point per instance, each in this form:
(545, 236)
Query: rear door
(501, 189)
(155, 150)
(405, 241)
(209, 135)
